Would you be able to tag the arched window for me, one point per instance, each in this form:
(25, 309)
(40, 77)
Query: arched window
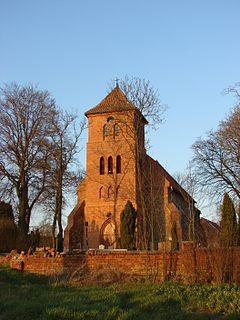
(101, 193)
(110, 165)
(105, 130)
(116, 130)
(118, 161)
(101, 165)
(110, 119)
(107, 233)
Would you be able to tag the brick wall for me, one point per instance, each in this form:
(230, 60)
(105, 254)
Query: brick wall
(4, 261)
(190, 265)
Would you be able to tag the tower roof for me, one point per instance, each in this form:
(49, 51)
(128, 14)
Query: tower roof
(115, 101)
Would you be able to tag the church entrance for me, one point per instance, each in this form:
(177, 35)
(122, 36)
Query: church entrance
(107, 234)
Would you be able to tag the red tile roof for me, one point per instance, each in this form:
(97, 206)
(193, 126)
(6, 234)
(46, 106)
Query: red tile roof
(115, 101)
(173, 183)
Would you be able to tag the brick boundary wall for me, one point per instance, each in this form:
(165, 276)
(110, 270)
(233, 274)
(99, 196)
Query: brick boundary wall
(202, 265)
(4, 261)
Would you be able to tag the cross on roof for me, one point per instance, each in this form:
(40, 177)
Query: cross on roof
(116, 80)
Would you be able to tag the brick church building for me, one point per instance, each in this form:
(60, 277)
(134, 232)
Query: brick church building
(118, 169)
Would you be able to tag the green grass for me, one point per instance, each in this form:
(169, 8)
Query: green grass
(25, 296)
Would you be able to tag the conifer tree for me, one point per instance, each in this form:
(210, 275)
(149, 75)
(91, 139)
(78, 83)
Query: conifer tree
(175, 243)
(7, 228)
(127, 228)
(228, 224)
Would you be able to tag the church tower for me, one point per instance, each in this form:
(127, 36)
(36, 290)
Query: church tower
(110, 169)
(117, 170)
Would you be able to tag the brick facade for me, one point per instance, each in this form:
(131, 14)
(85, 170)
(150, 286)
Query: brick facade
(113, 177)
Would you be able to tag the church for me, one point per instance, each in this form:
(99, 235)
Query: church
(118, 169)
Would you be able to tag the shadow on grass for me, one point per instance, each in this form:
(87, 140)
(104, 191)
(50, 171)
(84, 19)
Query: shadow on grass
(26, 296)
(16, 277)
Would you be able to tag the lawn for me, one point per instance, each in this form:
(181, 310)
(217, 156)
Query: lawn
(24, 296)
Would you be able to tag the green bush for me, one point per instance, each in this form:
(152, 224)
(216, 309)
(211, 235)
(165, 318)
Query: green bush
(127, 227)
(228, 223)
(7, 228)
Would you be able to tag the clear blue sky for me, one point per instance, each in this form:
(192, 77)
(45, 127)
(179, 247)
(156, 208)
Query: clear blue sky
(188, 49)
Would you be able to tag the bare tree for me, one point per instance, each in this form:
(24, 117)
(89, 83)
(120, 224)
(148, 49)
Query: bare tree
(191, 191)
(62, 176)
(24, 132)
(154, 200)
(148, 110)
(217, 158)
(145, 98)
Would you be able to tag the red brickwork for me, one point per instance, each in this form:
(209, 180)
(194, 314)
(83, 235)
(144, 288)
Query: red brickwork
(107, 188)
(4, 261)
(204, 265)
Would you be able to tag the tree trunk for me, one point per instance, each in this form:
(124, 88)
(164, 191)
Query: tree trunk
(143, 227)
(24, 213)
(54, 231)
(59, 200)
(115, 212)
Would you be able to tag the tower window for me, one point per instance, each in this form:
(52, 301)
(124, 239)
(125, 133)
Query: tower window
(116, 130)
(110, 119)
(118, 161)
(101, 165)
(105, 130)
(110, 165)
